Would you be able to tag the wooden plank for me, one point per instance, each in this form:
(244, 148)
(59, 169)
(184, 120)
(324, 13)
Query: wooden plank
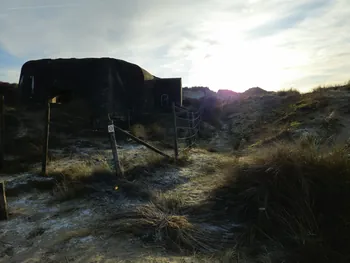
(46, 139)
(142, 142)
(176, 149)
(3, 202)
(111, 131)
(2, 130)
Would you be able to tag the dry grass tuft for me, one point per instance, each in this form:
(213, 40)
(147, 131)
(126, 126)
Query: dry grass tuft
(80, 179)
(288, 92)
(289, 198)
(155, 224)
(156, 131)
(147, 164)
(139, 131)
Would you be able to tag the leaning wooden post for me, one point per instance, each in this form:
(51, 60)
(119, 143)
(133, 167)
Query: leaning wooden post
(111, 131)
(3, 203)
(46, 139)
(176, 150)
(2, 131)
(142, 142)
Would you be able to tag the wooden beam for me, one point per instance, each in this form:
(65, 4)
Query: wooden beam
(3, 202)
(142, 142)
(46, 139)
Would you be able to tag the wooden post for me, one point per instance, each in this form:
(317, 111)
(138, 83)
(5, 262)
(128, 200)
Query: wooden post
(176, 150)
(118, 168)
(46, 139)
(189, 130)
(142, 142)
(129, 120)
(2, 131)
(3, 202)
(198, 125)
(193, 128)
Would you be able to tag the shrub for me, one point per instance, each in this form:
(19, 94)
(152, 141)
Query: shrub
(288, 92)
(292, 197)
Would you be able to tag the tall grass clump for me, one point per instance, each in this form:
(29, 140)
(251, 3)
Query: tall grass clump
(293, 199)
(162, 223)
(288, 92)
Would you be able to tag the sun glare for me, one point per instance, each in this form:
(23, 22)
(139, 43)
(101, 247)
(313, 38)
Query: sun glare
(239, 66)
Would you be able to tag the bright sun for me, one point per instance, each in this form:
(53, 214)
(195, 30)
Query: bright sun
(247, 65)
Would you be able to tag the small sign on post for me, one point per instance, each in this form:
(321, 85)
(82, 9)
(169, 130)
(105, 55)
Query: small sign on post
(110, 128)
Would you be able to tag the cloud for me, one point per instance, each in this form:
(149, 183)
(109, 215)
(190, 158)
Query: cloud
(291, 17)
(216, 43)
(38, 7)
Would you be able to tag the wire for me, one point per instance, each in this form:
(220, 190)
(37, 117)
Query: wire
(197, 125)
(183, 111)
(188, 119)
(181, 108)
(197, 118)
(194, 112)
(183, 127)
(188, 137)
(194, 133)
(187, 148)
(185, 119)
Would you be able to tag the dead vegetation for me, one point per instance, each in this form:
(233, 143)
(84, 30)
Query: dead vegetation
(83, 178)
(286, 198)
(282, 201)
(156, 224)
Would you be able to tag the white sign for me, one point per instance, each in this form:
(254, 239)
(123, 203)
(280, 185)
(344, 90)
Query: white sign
(110, 128)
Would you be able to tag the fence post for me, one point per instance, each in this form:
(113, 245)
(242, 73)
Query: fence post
(46, 139)
(3, 202)
(198, 124)
(189, 131)
(2, 131)
(176, 150)
(193, 127)
(129, 120)
(111, 131)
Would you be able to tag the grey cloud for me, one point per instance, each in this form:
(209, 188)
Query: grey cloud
(294, 17)
(39, 7)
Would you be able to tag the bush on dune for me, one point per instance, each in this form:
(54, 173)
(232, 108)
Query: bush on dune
(292, 197)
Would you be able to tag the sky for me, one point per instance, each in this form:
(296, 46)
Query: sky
(220, 44)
